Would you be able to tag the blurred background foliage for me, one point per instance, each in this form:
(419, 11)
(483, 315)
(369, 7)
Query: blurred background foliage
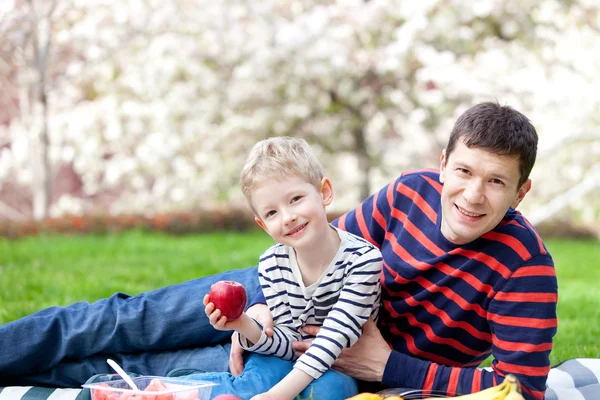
(145, 107)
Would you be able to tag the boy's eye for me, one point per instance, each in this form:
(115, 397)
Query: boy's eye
(296, 198)
(270, 213)
(462, 170)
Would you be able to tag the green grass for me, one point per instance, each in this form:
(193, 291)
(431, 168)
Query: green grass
(45, 271)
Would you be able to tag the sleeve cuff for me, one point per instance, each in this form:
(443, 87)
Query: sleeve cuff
(247, 345)
(404, 371)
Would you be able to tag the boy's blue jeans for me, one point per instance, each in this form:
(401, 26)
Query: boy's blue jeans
(261, 373)
(163, 332)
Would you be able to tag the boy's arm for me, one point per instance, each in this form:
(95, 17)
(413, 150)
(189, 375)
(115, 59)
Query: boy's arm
(284, 331)
(290, 386)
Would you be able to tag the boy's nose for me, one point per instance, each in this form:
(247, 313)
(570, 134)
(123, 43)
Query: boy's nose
(289, 218)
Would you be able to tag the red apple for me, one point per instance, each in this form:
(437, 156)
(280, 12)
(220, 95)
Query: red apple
(229, 297)
(226, 397)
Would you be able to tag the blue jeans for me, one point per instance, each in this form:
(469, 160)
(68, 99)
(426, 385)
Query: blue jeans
(261, 373)
(151, 334)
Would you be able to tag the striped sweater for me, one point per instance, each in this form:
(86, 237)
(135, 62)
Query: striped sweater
(343, 298)
(447, 307)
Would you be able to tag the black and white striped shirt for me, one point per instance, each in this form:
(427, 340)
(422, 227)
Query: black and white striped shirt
(341, 301)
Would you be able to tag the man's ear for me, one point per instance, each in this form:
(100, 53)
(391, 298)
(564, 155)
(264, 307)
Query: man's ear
(260, 223)
(526, 187)
(443, 165)
(326, 191)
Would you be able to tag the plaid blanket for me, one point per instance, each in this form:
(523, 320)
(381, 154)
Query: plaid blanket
(576, 379)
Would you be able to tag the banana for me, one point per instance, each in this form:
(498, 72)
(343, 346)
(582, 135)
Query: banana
(509, 387)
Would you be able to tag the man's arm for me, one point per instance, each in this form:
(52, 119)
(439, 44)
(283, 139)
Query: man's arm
(522, 340)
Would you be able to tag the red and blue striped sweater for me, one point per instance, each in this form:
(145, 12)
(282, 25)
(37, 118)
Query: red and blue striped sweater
(447, 307)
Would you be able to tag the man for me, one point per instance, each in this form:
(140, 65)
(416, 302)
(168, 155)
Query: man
(464, 276)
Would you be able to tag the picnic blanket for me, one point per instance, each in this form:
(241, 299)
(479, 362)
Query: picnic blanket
(576, 379)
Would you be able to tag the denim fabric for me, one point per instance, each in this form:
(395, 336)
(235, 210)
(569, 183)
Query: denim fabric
(150, 333)
(263, 372)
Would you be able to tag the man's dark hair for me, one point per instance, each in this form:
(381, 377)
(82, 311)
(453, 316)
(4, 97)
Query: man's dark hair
(499, 129)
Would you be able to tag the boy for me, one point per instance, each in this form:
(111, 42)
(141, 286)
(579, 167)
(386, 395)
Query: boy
(315, 275)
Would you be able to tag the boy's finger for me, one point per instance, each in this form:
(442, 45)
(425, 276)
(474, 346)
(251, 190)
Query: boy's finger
(236, 361)
(205, 300)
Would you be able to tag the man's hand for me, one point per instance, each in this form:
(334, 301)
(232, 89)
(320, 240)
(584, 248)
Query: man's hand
(262, 314)
(365, 360)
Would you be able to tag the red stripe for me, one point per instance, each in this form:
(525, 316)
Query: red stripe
(428, 385)
(389, 195)
(416, 233)
(512, 222)
(418, 201)
(476, 386)
(527, 370)
(429, 333)
(510, 241)
(453, 382)
(539, 239)
(377, 216)
(527, 297)
(360, 219)
(342, 222)
(414, 350)
(433, 288)
(535, 323)
(436, 185)
(535, 270)
(484, 258)
(520, 346)
(537, 394)
(443, 315)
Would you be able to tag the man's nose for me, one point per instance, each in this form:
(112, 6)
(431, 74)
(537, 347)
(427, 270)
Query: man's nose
(473, 193)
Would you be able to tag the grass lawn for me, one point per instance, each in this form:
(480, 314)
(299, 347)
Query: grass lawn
(58, 270)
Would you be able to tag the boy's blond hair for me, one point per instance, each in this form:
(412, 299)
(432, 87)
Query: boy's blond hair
(279, 158)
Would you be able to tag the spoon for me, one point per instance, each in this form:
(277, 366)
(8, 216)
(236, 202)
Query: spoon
(122, 374)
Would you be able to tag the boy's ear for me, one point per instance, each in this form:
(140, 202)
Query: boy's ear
(260, 223)
(326, 191)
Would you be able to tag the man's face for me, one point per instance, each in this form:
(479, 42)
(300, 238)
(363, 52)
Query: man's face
(479, 187)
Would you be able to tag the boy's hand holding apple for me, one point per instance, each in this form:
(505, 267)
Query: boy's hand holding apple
(224, 305)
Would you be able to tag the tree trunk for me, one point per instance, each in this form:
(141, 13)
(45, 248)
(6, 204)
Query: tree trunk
(364, 162)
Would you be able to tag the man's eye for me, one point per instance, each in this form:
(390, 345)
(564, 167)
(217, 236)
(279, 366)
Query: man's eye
(462, 170)
(497, 182)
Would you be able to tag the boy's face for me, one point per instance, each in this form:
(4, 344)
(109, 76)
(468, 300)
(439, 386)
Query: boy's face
(292, 211)
(479, 187)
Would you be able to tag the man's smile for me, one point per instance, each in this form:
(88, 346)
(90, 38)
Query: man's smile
(467, 213)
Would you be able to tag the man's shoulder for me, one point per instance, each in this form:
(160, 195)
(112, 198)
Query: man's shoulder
(517, 230)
